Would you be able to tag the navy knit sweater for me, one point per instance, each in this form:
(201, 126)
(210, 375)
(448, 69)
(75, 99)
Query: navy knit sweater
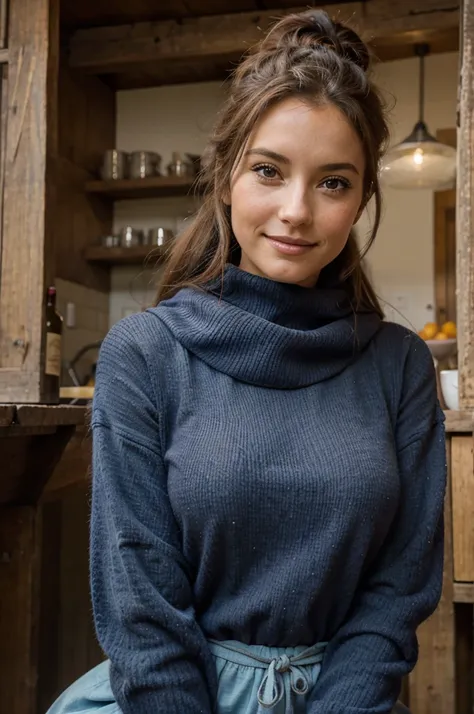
(266, 469)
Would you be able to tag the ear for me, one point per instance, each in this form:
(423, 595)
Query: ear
(226, 197)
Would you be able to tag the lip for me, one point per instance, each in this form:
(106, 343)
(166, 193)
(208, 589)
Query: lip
(290, 246)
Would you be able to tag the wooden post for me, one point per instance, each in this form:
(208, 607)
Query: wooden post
(464, 212)
(28, 195)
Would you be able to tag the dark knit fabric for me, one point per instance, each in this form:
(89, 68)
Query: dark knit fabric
(270, 469)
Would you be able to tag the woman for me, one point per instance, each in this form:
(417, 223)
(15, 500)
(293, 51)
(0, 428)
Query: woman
(269, 464)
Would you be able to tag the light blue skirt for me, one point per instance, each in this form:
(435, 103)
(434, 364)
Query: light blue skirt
(251, 679)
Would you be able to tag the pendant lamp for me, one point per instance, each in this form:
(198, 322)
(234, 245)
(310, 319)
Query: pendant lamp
(420, 160)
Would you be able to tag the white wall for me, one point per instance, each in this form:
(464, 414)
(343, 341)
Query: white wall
(179, 118)
(401, 260)
(162, 119)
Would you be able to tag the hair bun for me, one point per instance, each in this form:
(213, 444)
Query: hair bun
(315, 29)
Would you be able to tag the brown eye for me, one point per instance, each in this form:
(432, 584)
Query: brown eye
(335, 183)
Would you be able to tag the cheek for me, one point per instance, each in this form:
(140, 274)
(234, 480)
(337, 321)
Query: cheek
(339, 218)
(249, 205)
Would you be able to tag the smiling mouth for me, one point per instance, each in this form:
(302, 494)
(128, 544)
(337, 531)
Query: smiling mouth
(291, 247)
(287, 240)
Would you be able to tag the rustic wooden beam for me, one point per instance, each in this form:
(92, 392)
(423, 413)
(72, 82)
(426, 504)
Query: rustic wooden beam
(464, 213)
(464, 593)
(459, 422)
(387, 24)
(28, 183)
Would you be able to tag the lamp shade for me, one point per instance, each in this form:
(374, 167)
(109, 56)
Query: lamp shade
(420, 161)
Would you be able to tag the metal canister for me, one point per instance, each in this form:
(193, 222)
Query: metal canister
(130, 237)
(144, 164)
(158, 237)
(114, 165)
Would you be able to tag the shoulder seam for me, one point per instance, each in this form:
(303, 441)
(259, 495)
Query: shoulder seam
(123, 433)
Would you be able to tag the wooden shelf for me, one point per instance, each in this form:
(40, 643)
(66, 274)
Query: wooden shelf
(154, 187)
(124, 256)
(459, 422)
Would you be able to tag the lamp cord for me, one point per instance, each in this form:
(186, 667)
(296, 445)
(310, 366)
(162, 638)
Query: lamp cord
(422, 88)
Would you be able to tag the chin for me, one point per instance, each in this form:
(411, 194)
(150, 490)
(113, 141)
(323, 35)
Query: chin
(293, 274)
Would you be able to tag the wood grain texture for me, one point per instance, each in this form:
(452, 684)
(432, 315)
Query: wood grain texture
(50, 415)
(464, 213)
(462, 484)
(390, 25)
(4, 23)
(459, 422)
(30, 150)
(463, 592)
(431, 684)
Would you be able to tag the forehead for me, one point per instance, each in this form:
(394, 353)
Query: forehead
(319, 134)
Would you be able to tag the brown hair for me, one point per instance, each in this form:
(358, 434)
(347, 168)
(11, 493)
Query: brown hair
(323, 62)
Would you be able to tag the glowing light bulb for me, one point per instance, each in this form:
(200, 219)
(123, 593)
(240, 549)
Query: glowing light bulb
(418, 157)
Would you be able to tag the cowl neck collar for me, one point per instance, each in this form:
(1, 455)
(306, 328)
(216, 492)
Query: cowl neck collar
(267, 333)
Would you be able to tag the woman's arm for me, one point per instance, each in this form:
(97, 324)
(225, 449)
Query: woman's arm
(141, 591)
(377, 646)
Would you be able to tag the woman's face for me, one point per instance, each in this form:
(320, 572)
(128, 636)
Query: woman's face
(297, 192)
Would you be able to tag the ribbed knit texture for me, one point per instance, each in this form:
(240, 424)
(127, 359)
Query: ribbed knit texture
(269, 470)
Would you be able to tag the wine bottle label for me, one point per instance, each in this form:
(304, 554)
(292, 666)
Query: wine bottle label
(53, 354)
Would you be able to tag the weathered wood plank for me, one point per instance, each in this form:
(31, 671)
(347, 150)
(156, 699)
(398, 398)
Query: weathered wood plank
(460, 422)
(28, 196)
(3, 24)
(431, 684)
(386, 23)
(50, 415)
(462, 485)
(463, 592)
(464, 213)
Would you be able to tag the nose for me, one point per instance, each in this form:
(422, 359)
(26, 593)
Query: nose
(296, 206)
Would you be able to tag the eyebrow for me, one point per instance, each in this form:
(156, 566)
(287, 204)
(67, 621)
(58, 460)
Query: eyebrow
(340, 166)
(269, 154)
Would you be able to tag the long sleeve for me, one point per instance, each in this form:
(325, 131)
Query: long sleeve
(141, 590)
(376, 646)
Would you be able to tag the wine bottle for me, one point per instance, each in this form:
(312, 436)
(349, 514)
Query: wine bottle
(52, 361)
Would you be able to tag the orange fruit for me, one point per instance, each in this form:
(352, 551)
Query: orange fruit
(449, 329)
(423, 334)
(430, 330)
(440, 336)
